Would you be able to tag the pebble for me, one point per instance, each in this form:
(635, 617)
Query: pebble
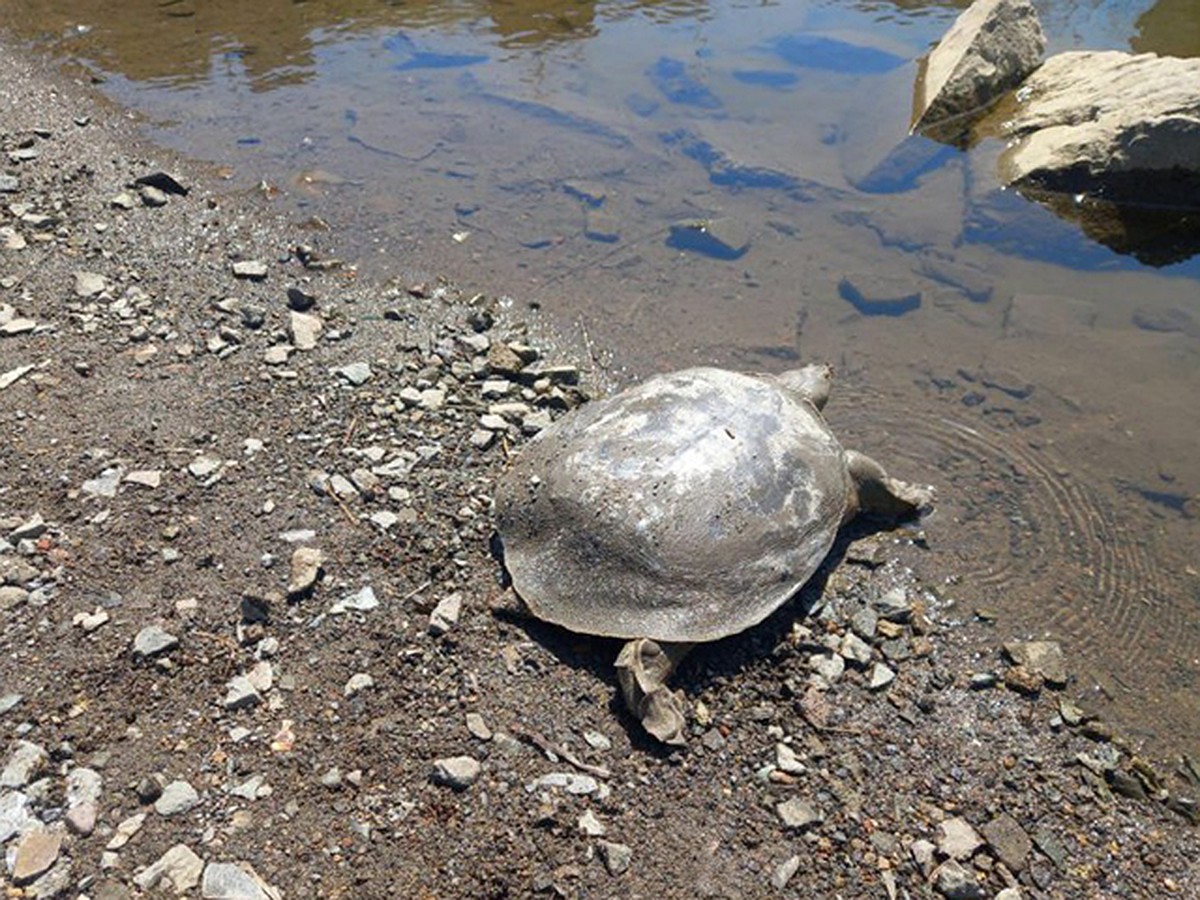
(362, 600)
(81, 818)
(855, 650)
(356, 373)
(828, 666)
(204, 466)
(89, 622)
(1044, 658)
(957, 839)
(177, 797)
(9, 184)
(152, 196)
(103, 485)
(126, 830)
(881, 676)
(153, 641)
(445, 615)
(597, 741)
(456, 772)
(235, 881)
(12, 596)
(798, 813)
(591, 826)
(250, 269)
(24, 764)
(178, 869)
(955, 882)
(241, 694)
(1008, 840)
(35, 853)
(277, 355)
(89, 284)
(359, 681)
(893, 605)
(306, 566)
(13, 327)
(304, 330)
(478, 727)
(784, 871)
(150, 478)
(33, 527)
(14, 814)
(616, 857)
(571, 782)
(787, 761)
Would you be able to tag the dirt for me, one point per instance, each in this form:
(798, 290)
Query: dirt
(157, 470)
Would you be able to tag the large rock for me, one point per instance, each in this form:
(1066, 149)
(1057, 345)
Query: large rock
(1125, 127)
(988, 50)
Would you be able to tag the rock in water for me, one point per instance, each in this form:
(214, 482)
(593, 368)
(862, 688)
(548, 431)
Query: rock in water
(988, 50)
(1121, 125)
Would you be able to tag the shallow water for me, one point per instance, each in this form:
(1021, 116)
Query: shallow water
(563, 153)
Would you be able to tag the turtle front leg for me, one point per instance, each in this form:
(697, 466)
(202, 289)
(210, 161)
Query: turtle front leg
(643, 667)
(877, 493)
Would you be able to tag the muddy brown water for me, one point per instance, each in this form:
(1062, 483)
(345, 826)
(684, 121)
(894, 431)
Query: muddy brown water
(1044, 378)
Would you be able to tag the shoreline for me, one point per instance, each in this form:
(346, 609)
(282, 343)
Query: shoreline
(178, 454)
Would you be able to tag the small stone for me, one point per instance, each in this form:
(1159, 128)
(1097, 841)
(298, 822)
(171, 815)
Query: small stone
(1044, 658)
(229, 881)
(35, 853)
(954, 882)
(591, 826)
(827, 666)
(250, 269)
(332, 779)
(304, 330)
(362, 600)
(478, 727)
(81, 818)
(277, 355)
(103, 485)
(597, 741)
(571, 782)
(204, 466)
(784, 871)
(855, 650)
(15, 816)
(616, 857)
(355, 373)
(981, 681)
(177, 797)
(797, 813)
(153, 641)
(89, 622)
(481, 439)
(89, 284)
(12, 596)
(13, 327)
(445, 615)
(957, 839)
(787, 761)
(178, 870)
(1008, 840)
(456, 772)
(893, 605)
(306, 567)
(359, 681)
(152, 196)
(1023, 681)
(300, 300)
(261, 677)
(241, 694)
(31, 529)
(881, 676)
(126, 830)
(123, 200)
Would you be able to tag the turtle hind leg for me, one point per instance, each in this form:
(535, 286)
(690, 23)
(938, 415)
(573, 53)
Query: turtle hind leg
(878, 494)
(643, 667)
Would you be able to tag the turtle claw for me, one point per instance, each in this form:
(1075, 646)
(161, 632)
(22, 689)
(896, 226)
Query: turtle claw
(643, 667)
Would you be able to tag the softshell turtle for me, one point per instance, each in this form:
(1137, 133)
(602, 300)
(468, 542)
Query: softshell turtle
(683, 510)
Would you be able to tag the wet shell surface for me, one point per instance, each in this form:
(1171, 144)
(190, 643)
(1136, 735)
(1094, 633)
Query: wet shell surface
(686, 508)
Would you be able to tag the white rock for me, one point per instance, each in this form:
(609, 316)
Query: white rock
(798, 813)
(784, 871)
(457, 772)
(988, 50)
(445, 614)
(177, 797)
(359, 681)
(590, 825)
(305, 330)
(178, 870)
(15, 816)
(957, 839)
(616, 857)
(230, 881)
(362, 600)
(25, 762)
(1126, 126)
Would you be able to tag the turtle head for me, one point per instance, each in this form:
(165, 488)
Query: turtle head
(810, 382)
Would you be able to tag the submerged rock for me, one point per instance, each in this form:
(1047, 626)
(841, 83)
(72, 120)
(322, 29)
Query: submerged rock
(988, 50)
(1123, 127)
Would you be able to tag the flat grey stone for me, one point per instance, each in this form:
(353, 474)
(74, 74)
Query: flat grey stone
(456, 772)
(362, 600)
(1042, 657)
(177, 797)
(230, 881)
(355, 373)
(89, 284)
(103, 485)
(784, 871)
(955, 882)
(250, 269)
(571, 782)
(240, 693)
(1008, 840)
(153, 641)
(798, 813)
(445, 615)
(177, 870)
(881, 676)
(15, 816)
(957, 839)
(617, 857)
(24, 764)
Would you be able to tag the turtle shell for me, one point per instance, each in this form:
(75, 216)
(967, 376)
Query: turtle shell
(687, 508)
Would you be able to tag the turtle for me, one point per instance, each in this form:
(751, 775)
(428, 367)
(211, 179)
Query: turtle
(683, 510)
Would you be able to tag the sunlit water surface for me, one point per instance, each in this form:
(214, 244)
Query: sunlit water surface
(1045, 382)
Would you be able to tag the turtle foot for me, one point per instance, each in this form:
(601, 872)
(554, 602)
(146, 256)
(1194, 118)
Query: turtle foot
(878, 494)
(643, 667)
